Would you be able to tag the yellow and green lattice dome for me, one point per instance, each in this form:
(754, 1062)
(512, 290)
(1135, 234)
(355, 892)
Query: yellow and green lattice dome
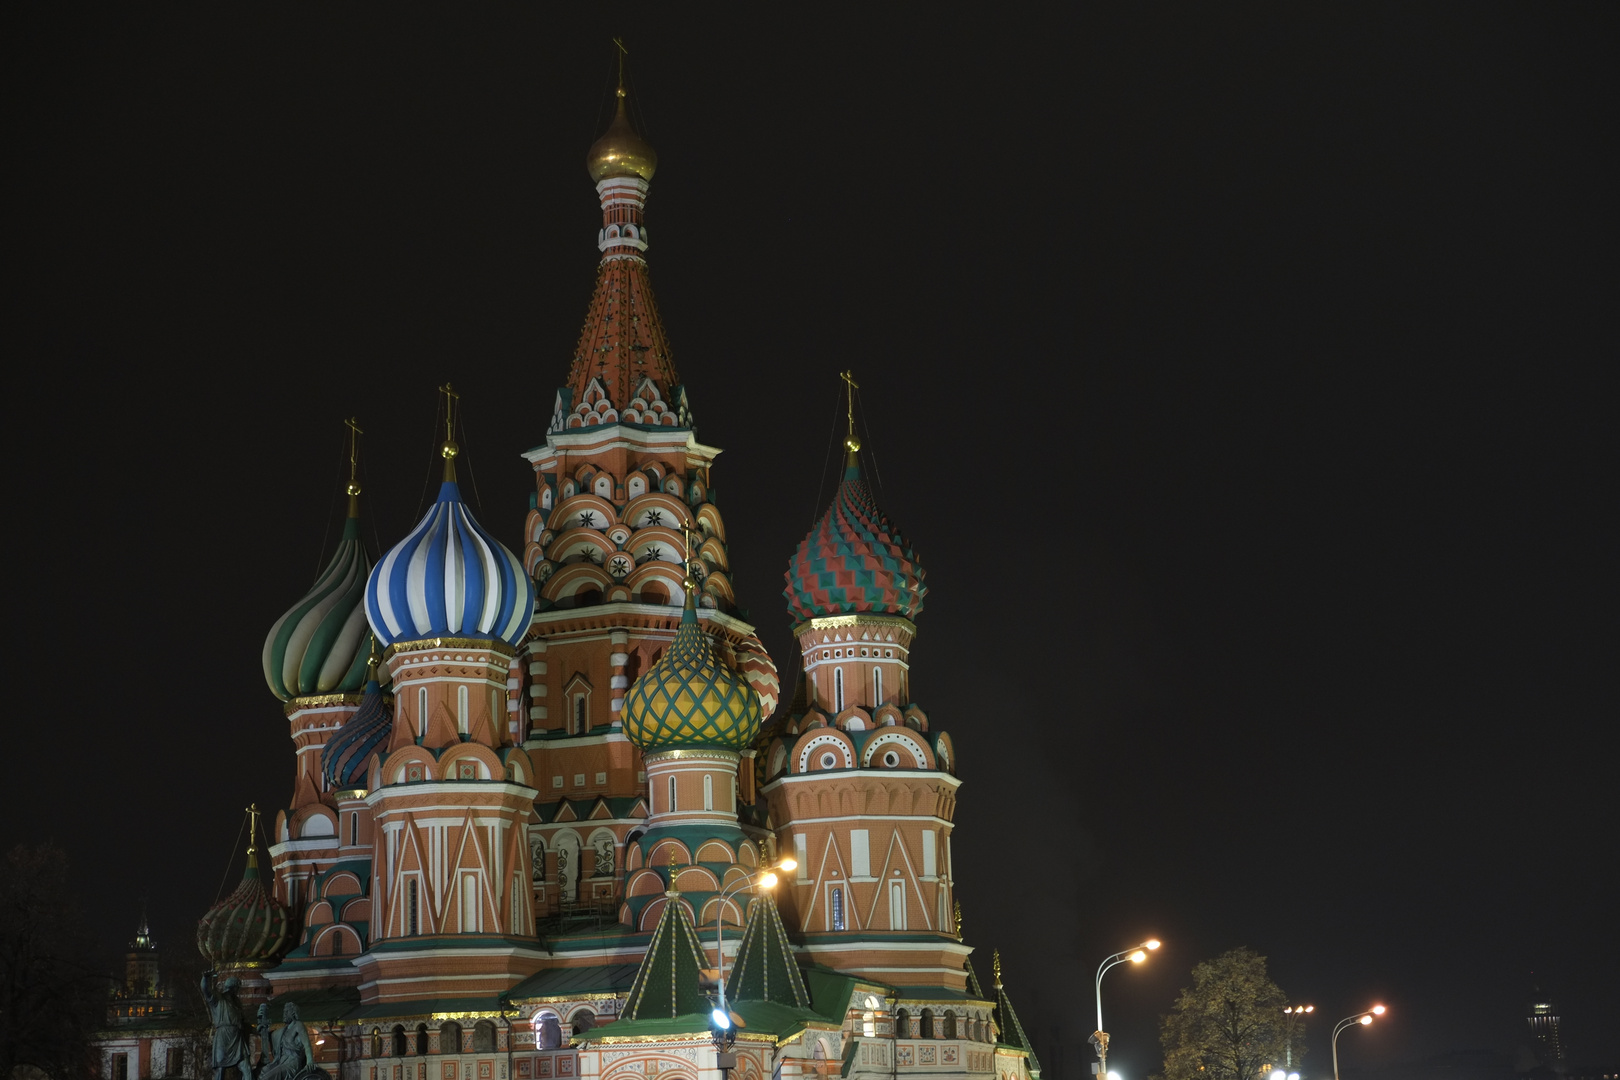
(689, 698)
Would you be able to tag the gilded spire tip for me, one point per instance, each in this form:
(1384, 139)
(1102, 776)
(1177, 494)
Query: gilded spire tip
(449, 449)
(852, 442)
(354, 465)
(995, 966)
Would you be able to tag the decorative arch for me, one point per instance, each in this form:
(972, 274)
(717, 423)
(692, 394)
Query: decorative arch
(314, 821)
(474, 758)
(667, 575)
(909, 751)
(823, 748)
(570, 514)
(410, 765)
(717, 908)
(573, 581)
(656, 510)
(715, 851)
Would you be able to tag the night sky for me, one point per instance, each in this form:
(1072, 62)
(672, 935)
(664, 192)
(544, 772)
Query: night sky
(1244, 376)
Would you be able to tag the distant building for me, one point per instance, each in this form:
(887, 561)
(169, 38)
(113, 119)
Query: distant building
(145, 1038)
(1546, 1041)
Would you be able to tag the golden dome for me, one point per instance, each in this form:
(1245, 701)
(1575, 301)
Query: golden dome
(620, 151)
(689, 698)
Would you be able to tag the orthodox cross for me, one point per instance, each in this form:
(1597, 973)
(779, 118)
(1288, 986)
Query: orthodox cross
(253, 827)
(995, 964)
(618, 43)
(686, 542)
(450, 448)
(958, 914)
(850, 386)
(354, 454)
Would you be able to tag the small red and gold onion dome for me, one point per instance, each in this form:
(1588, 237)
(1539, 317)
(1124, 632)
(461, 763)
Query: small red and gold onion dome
(247, 929)
(854, 560)
(690, 699)
(620, 151)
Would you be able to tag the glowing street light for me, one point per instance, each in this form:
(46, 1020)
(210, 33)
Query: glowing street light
(766, 877)
(1295, 1014)
(1099, 1038)
(1362, 1018)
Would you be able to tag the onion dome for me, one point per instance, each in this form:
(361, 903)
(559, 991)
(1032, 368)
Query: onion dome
(757, 668)
(854, 560)
(620, 151)
(689, 698)
(347, 755)
(249, 928)
(320, 645)
(449, 578)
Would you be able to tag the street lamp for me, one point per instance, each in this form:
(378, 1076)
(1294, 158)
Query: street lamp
(1099, 1038)
(1362, 1018)
(767, 877)
(1295, 1013)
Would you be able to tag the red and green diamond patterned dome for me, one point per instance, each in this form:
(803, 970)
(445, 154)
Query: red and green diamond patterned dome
(854, 560)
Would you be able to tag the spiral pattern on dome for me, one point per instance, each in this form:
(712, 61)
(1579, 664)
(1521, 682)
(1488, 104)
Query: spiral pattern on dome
(248, 928)
(320, 645)
(689, 698)
(347, 755)
(449, 577)
(854, 560)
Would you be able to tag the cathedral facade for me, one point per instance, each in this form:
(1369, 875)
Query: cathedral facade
(553, 816)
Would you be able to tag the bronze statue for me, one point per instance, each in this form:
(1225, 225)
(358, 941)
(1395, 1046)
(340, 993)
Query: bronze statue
(293, 1053)
(225, 1010)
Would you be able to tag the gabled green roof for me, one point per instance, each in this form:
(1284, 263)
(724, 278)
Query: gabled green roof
(973, 980)
(765, 969)
(667, 984)
(1012, 1032)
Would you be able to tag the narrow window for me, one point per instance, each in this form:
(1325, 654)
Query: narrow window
(672, 794)
(837, 909)
(579, 714)
(877, 687)
(869, 1024)
(421, 712)
(412, 923)
(838, 689)
(120, 1067)
(897, 905)
(469, 903)
(354, 829)
(494, 707)
(708, 792)
(461, 709)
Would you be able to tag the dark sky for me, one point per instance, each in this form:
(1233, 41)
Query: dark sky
(1244, 376)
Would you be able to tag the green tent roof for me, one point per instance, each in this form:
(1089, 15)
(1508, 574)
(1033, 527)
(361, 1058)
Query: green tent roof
(667, 984)
(1012, 1032)
(765, 969)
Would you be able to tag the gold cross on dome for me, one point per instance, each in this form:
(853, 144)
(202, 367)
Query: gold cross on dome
(450, 399)
(686, 541)
(353, 425)
(253, 827)
(850, 386)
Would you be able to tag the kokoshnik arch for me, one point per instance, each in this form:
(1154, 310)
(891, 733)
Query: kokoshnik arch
(534, 781)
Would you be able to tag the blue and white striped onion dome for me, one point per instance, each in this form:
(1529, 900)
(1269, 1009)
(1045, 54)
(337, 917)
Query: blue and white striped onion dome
(449, 578)
(321, 644)
(347, 755)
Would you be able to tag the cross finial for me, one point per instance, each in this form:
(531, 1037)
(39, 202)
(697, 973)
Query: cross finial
(623, 52)
(674, 889)
(995, 965)
(354, 465)
(690, 583)
(253, 830)
(851, 443)
(450, 449)
(958, 916)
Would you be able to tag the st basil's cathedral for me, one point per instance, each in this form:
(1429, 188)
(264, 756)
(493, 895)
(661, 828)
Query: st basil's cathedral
(550, 818)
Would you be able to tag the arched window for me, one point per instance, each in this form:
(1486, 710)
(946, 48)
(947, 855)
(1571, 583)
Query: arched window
(413, 910)
(654, 593)
(421, 1039)
(902, 1024)
(672, 794)
(838, 690)
(484, 1037)
(584, 1020)
(950, 1025)
(928, 1023)
(579, 714)
(877, 687)
(869, 1024)
(461, 709)
(399, 1040)
(449, 1037)
(376, 1042)
(547, 1031)
(494, 706)
(708, 792)
(421, 712)
(836, 908)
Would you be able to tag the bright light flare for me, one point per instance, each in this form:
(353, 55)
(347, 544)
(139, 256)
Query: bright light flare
(1138, 956)
(1151, 943)
(1365, 1020)
(787, 866)
(769, 881)
(1278, 1074)
(720, 1019)
(1114, 1075)
(1378, 1010)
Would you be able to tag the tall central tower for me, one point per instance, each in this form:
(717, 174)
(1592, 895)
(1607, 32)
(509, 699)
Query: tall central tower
(620, 476)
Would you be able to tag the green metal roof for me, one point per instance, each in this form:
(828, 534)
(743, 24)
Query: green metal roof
(765, 969)
(667, 984)
(572, 981)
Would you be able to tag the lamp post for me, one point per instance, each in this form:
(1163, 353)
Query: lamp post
(767, 877)
(1294, 1014)
(1362, 1018)
(1099, 1038)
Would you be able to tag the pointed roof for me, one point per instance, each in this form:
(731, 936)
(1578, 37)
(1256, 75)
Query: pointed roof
(1012, 1032)
(622, 369)
(765, 969)
(667, 984)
